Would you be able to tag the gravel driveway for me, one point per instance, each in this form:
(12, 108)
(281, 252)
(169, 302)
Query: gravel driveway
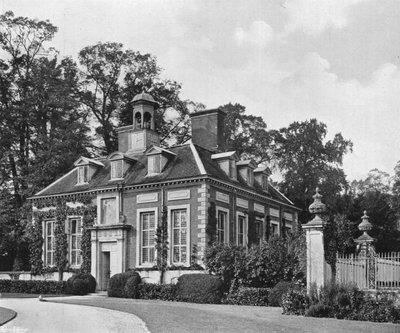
(163, 317)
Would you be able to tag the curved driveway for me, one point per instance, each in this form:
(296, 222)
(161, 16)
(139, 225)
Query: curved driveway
(43, 317)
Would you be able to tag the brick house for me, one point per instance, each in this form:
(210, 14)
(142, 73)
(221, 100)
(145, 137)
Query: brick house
(189, 185)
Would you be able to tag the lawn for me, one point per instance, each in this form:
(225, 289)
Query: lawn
(179, 317)
(6, 315)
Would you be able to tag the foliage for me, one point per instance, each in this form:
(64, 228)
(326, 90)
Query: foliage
(199, 288)
(60, 211)
(86, 241)
(307, 160)
(211, 228)
(131, 288)
(382, 310)
(117, 284)
(338, 238)
(34, 232)
(32, 287)
(81, 284)
(162, 244)
(163, 292)
(246, 134)
(260, 266)
(276, 293)
(113, 76)
(295, 302)
(42, 128)
(383, 216)
(61, 241)
(343, 301)
(249, 296)
(224, 261)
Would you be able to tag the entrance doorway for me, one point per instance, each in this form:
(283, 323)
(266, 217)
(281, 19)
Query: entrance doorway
(108, 263)
(105, 270)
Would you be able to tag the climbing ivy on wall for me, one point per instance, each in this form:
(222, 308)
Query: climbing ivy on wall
(61, 241)
(60, 214)
(211, 228)
(34, 233)
(162, 244)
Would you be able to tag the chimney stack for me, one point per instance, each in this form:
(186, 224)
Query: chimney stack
(208, 129)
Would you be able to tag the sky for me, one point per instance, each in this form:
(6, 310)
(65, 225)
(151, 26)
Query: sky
(333, 60)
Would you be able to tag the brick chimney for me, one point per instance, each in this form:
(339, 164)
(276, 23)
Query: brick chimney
(208, 129)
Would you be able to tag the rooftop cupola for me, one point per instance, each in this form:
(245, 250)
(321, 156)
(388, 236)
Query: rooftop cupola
(144, 106)
(136, 138)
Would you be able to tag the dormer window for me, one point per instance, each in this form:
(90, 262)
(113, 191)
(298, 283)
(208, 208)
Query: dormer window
(246, 171)
(117, 169)
(154, 165)
(86, 168)
(227, 162)
(83, 174)
(157, 159)
(119, 164)
(261, 175)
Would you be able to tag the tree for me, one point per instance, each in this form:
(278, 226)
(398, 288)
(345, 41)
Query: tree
(246, 134)
(307, 160)
(376, 180)
(42, 128)
(112, 76)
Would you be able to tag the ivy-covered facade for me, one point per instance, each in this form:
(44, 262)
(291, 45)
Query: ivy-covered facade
(149, 208)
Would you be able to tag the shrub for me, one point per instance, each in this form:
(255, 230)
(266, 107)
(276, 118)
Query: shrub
(260, 266)
(249, 296)
(79, 287)
(295, 301)
(131, 288)
(319, 310)
(226, 261)
(163, 292)
(32, 287)
(199, 288)
(382, 310)
(116, 285)
(81, 284)
(276, 293)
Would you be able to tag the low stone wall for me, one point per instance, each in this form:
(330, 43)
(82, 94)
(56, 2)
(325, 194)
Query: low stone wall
(169, 277)
(29, 276)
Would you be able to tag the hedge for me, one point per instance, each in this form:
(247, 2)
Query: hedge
(116, 285)
(163, 292)
(249, 296)
(32, 287)
(199, 288)
(81, 284)
(342, 301)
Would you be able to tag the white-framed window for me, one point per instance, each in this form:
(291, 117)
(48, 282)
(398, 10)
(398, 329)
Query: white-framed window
(222, 225)
(117, 169)
(232, 169)
(274, 228)
(241, 229)
(179, 224)
(75, 224)
(147, 237)
(49, 242)
(108, 210)
(83, 174)
(154, 163)
(259, 230)
(146, 225)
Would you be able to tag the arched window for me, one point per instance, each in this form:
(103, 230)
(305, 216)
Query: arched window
(138, 120)
(147, 120)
